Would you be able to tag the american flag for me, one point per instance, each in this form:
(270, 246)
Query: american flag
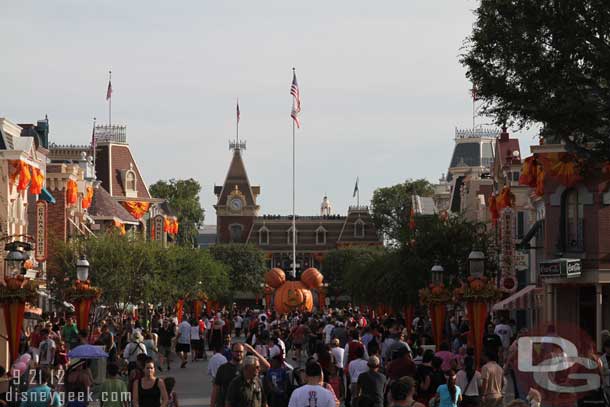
(296, 100)
(237, 110)
(109, 91)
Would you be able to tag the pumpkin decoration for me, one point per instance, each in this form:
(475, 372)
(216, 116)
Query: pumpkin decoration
(437, 289)
(477, 285)
(312, 278)
(275, 277)
(291, 296)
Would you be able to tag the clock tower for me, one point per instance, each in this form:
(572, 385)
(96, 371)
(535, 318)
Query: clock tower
(236, 207)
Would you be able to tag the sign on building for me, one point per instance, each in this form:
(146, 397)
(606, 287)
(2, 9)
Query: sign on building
(560, 268)
(508, 279)
(40, 251)
(158, 224)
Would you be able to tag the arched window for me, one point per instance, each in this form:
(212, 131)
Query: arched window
(573, 221)
(359, 228)
(320, 236)
(263, 236)
(236, 231)
(130, 181)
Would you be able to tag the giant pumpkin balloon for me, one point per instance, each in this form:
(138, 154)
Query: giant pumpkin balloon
(312, 278)
(275, 277)
(292, 296)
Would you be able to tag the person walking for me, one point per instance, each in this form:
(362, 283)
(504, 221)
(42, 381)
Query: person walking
(133, 349)
(469, 380)
(402, 392)
(246, 390)
(183, 345)
(217, 360)
(370, 385)
(312, 393)
(165, 335)
(492, 377)
(449, 395)
(149, 391)
(114, 390)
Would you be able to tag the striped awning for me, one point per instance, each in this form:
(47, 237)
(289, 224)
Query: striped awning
(528, 297)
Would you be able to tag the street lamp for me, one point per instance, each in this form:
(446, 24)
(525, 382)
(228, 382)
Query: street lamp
(82, 268)
(437, 274)
(476, 263)
(13, 262)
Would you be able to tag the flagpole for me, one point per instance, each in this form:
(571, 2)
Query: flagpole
(294, 229)
(237, 124)
(358, 197)
(110, 100)
(94, 142)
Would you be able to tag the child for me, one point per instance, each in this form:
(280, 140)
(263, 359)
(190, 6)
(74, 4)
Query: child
(170, 382)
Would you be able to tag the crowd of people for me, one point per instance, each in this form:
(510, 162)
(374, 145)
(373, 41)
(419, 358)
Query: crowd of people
(341, 357)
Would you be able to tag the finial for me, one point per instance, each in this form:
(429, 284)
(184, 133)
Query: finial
(293, 69)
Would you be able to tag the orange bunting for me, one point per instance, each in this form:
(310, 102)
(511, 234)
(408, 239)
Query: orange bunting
(493, 209)
(170, 226)
(24, 176)
(540, 182)
(166, 225)
(135, 208)
(88, 198)
(564, 167)
(37, 181)
(121, 226)
(529, 172)
(71, 192)
(505, 199)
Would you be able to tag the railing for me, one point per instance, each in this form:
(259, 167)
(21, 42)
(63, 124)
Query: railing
(111, 134)
(298, 217)
(361, 208)
(480, 132)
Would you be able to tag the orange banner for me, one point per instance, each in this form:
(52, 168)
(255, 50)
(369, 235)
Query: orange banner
(13, 319)
(82, 308)
(37, 181)
(88, 198)
(71, 192)
(136, 209)
(477, 314)
(409, 312)
(197, 306)
(437, 314)
(180, 310)
(24, 176)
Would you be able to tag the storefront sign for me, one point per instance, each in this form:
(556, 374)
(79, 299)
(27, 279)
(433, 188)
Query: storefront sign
(40, 251)
(508, 279)
(560, 268)
(521, 260)
(159, 222)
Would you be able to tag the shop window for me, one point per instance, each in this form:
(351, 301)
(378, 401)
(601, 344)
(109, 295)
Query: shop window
(572, 208)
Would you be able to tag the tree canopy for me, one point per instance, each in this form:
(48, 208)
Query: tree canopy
(183, 198)
(391, 206)
(246, 264)
(546, 62)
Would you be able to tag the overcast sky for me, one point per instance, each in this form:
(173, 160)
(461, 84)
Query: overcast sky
(382, 88)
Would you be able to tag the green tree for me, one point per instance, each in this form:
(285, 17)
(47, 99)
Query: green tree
(391, 206)
(246, 264)
(183, 198)
(337, 263)
(545, 61)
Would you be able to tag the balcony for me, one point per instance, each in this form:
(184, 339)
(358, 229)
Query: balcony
(111, 134)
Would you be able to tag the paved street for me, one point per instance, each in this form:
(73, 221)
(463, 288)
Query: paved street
(193, 384)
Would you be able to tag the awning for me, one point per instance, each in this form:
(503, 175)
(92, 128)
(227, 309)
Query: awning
(528, 297)
(45, 195)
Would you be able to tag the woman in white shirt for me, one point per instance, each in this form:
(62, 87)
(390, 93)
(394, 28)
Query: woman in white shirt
(195, 340)
(469, 380)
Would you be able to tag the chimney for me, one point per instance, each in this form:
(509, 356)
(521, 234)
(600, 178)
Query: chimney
(504, 134)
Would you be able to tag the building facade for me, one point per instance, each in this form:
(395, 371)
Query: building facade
(238, 220)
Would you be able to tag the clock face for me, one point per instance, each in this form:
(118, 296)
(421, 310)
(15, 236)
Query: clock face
(235, 204)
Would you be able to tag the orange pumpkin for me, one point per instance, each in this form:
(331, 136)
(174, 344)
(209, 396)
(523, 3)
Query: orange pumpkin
(312, 278)
(437, 289)
(292, 296)
(477, 285)
(275, 277)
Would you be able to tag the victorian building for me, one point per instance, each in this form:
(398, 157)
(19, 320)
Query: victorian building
(238, 219)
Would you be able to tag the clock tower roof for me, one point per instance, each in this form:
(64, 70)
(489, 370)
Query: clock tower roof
(237, 180)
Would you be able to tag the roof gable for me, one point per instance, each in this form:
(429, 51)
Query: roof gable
(237, 176)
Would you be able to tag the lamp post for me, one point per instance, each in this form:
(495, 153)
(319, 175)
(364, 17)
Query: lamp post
(437, 274)
(438, 309)
(82, 294)
(476, 263)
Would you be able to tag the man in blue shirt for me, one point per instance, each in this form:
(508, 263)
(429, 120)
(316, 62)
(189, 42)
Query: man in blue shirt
(40, 395)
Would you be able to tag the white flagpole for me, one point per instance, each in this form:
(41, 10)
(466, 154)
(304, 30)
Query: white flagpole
(237, 124)
(110, 99)
(294, 228)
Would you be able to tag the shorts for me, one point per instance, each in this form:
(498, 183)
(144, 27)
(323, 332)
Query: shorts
(165, 350)
(183, 347)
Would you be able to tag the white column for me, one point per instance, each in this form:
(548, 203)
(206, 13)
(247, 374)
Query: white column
(598, 315)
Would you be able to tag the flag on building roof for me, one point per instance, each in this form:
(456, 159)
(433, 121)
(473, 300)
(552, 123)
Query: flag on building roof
(356, 190)
(296, 99)
(237, 110)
